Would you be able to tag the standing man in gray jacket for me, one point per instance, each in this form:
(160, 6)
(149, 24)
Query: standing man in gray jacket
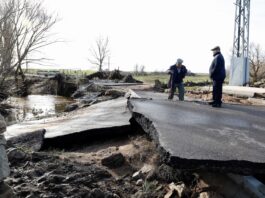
(217, 74)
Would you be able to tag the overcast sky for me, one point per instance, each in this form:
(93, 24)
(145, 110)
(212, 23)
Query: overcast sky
(153, 33)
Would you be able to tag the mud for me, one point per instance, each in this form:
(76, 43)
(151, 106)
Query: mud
(81, 171)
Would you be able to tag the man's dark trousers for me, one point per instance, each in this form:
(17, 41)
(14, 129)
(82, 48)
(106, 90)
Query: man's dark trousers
(217, 92)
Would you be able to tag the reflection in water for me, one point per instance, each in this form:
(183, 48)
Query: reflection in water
(37, 106)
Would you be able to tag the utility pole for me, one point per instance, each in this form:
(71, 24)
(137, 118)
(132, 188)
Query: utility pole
(239, 70)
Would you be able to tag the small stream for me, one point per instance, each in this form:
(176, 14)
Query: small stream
(35, 107)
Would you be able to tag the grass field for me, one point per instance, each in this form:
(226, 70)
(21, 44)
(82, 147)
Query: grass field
(150, 78)
(64, 71)
(146, 78)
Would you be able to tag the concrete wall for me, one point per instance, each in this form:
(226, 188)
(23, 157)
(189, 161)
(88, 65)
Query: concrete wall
(239, 71)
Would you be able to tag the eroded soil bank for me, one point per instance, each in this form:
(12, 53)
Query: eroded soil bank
(121, 166)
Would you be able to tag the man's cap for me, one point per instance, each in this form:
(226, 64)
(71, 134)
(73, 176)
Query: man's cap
(216, 48)
(179, 61)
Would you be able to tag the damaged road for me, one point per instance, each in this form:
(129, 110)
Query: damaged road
(108, 114)
(189, 135)
(196, 136)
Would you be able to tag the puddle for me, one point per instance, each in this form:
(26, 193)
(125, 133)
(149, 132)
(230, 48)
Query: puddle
(36, 106)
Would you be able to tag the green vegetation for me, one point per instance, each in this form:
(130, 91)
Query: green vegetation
(163, 77)
(64, 71)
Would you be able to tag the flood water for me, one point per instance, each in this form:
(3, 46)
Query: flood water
(36, 107)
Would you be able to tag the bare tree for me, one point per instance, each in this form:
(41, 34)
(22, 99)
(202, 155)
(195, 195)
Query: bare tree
(99, 53)
(142, 70)
(257, 62)
(7, 40)
(24, 30)
(136, 69)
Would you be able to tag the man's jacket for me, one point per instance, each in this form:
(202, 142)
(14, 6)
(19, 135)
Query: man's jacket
(217, 68)
(176, 76)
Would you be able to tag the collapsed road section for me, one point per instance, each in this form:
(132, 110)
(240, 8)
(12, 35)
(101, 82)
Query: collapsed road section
(104, 115)
(195, 136)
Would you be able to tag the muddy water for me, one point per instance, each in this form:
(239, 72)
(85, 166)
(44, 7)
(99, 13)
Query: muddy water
(36, 107)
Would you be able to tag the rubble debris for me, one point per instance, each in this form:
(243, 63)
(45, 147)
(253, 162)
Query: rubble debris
(197, 84)
(16, 155)
(99, 75)
(44, 175)
(2, 125)
(6, 191)
(113, 161)
(167, 174)
(159, 86)
(3, 96)
(260, 83)
(137, 175)
(115, 93)
(129, 79)
(176, 189)
(139, 182)
(31, 141)
(115, 75)
(259, 95)
(71, 107)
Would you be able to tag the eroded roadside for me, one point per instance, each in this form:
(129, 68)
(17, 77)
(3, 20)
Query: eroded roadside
(123, 166)
(114, 166)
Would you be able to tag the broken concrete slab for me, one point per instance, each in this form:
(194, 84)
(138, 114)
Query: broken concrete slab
(109, 114)
(113, 84)
(32, 141)
(240, 91)
(192, 135)
(243, 91)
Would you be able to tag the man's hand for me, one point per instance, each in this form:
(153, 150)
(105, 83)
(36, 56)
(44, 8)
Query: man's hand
(169, 71)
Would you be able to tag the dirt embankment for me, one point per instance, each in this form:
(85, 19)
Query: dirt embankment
(121, 167)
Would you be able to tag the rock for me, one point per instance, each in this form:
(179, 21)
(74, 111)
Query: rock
(137, 175)
(139, 182)
(176, 189)
(2, 125)
(6, 191)
(160, 87)
(16, 155)
(32, 141)
(56, 179)
(151, 175)
(71, 107)
(4, 111)
(99, 75)
(147, 168)
(98, 193)
(113, 161)
(167, 173)
(92, 87)
(44, 177)
(115, 75)
(3, 96)
(78, 94)
(115, 93)
(130, 79)
(4, 166)
(86, 102)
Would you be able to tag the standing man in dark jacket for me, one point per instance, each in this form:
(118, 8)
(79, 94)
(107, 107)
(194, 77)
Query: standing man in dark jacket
(177, 73)
(217, 74)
